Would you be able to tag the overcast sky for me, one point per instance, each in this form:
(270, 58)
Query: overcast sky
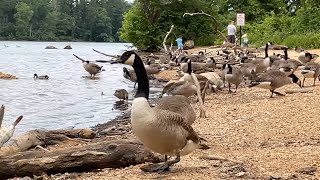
(130, 0)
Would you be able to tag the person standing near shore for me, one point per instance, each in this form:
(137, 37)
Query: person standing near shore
(232, 32)
(180, 44)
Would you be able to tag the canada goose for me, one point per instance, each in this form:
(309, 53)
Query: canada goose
(45, 77)
(305, 57)
(263, 63)
(130, 75)
(184, 86)
(163, 131)
(248, 70)
(285, 64)
(6, 132)
(233, 75)
(150, 69)
(92, 68)
(122, 94)
(274, 79)
(298, 50)
(196, 66)
(200, 57)
(311, 70)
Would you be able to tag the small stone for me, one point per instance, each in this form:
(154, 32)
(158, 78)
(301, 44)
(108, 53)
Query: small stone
(87, 134)
(308, 170)
(240, 174)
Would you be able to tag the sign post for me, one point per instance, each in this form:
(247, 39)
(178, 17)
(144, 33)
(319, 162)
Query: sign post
(240, 22)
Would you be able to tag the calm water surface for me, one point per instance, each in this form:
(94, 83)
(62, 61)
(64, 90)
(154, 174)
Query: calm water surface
(67, 99)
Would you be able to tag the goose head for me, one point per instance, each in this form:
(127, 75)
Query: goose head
(227, 68)
(35, 76)
(200, 53)
(295, 79)
(133, 59)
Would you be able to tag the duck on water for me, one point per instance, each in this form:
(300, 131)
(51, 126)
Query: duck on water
(164, 131)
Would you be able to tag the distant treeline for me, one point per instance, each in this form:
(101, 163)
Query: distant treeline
(62, 20)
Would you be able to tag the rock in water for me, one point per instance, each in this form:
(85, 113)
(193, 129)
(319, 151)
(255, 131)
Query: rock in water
(67, 47)
(51, 47)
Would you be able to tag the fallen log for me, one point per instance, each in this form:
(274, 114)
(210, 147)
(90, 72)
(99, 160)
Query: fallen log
(113, 154)
(43, 138)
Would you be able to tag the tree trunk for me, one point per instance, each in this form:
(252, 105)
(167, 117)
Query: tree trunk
(113, 154)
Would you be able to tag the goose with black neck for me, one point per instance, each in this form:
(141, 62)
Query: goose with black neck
(163, 131)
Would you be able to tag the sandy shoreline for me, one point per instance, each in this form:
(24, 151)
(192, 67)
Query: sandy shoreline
(260, 138)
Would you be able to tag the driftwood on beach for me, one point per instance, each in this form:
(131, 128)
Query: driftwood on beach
(112, 154)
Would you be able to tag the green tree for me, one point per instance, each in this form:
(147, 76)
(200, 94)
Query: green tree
(23, 19)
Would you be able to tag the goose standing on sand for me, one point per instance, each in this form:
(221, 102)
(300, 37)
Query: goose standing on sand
(184, 86)
(45, 77)
(311, 70)
(263, 63)
(274, 79)
(306, 57)
(232, 75)
(6, 132)
(163, 131)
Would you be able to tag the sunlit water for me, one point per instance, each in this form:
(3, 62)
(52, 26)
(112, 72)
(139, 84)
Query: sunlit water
(67, 99)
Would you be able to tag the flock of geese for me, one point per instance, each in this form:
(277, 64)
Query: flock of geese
(167, 127)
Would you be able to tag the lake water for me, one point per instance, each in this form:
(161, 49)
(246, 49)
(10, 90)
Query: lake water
(67, 99)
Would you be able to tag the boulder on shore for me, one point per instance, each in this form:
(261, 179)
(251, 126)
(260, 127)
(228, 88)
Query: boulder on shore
(188, 45)
(51, 47)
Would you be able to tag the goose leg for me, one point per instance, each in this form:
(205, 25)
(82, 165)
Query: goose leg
(303, 82)
(230, 88)
(314, 81)
(277, 93)
(160, 167)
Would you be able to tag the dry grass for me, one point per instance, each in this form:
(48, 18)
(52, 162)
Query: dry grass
(263, 136)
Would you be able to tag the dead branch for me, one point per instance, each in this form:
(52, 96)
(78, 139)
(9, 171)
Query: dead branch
(166, 37)
(208, 15)
(113, 56)
(79, 58)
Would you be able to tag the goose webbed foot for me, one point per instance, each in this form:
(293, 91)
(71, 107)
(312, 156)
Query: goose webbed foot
(160, 167)
(279, 94)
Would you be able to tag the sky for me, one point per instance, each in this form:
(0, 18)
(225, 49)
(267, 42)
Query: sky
(130, 0)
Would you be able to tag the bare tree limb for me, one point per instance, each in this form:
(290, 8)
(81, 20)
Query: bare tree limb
(208, 15)
(113, 56)
(79, 58)
(166, 37)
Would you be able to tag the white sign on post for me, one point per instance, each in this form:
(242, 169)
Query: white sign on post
(240, 19)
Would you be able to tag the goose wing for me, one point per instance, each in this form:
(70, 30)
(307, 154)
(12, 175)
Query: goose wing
(95, 66)
(176, 121)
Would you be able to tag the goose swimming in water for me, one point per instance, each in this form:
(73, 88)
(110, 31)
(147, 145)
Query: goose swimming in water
(163, 131)
(45, 77)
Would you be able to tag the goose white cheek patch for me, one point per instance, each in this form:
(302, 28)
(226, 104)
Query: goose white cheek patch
(130, 60)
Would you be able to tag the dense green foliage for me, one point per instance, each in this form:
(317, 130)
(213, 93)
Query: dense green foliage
(50, 20)
(288, 22)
